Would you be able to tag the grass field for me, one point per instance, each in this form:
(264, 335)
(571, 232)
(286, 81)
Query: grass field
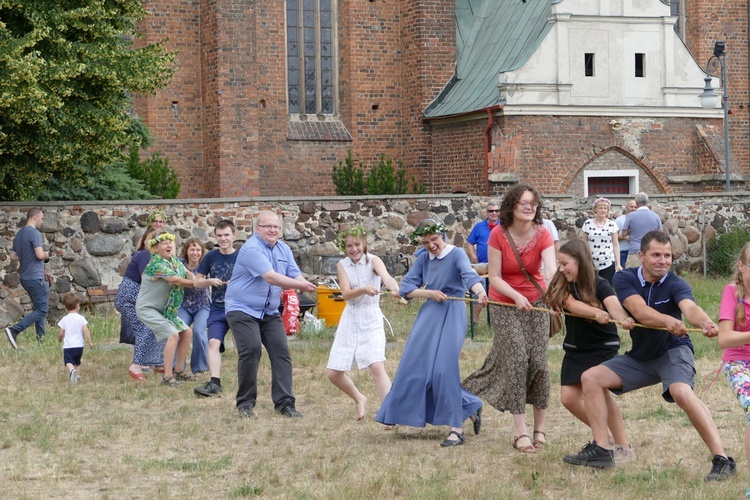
(110, 437)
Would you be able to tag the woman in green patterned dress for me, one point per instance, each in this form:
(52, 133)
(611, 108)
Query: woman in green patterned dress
(159, 299)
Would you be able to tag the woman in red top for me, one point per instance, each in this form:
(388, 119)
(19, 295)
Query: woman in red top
(515, 372)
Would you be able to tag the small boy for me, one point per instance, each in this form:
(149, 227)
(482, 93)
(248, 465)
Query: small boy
(72, 329)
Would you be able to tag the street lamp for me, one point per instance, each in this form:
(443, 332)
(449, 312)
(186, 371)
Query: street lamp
(709, 98)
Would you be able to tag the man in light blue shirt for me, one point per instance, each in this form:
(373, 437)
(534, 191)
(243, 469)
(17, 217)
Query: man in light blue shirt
(636, 225)
(265, 266)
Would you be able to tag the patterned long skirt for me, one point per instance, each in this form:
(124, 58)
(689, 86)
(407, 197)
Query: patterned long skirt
(515, 372)
(147, 350)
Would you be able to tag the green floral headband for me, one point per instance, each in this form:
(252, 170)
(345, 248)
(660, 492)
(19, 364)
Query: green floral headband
(356, 232)
(416, 235)
(153, 216)
(159, 238)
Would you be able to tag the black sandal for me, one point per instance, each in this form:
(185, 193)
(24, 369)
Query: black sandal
(477, 421)
(448, 442)
(170, 381)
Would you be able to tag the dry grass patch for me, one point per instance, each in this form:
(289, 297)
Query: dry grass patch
(110, 437)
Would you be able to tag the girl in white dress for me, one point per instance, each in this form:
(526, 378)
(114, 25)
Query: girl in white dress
(360, 335)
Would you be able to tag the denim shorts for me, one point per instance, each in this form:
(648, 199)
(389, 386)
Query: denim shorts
(675, 365)
(217, 325)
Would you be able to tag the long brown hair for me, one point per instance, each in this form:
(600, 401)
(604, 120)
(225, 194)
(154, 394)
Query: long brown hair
(741, 293)
(558, 292)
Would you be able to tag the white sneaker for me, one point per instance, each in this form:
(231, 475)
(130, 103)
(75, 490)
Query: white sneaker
(74, 377)
(623, 453)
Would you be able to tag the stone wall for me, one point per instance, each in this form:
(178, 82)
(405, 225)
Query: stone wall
(90, 244)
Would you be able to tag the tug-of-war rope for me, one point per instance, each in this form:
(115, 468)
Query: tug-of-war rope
(549, 311)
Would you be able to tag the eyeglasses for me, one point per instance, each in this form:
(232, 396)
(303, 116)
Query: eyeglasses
(527, 204)
(493, 211)
(267, 226)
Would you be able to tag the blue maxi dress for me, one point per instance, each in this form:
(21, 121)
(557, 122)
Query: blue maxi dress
(427, 386)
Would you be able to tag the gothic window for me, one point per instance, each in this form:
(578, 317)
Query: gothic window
(311, 57)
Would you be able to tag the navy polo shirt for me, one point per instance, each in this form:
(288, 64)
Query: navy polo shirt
(664, 296)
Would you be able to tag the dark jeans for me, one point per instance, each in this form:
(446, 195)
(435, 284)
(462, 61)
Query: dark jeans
(623, 258)
(38, 290)
(249, 333)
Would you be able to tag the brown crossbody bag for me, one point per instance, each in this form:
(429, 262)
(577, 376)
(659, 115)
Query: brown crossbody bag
(555, 322)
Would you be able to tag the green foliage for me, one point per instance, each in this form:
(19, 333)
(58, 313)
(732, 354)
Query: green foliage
(383, 178)
(157, 176)
(67, 69)
(722, 251)
(348, 178)
(112, 183)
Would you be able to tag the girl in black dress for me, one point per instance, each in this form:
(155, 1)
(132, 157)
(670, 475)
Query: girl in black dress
(577, 289)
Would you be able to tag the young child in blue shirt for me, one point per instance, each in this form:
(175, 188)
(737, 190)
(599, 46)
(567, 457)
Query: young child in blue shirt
(73, 328)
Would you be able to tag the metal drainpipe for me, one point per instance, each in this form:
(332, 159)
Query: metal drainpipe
(488, 145)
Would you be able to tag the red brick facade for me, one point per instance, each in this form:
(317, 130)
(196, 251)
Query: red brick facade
(224, 125)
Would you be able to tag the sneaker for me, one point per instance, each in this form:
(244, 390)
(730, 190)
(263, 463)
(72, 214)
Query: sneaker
(289, 412)
(592, 455)
(246, 412)
(74, 377)
(722, 468)
(623, 453)
(209, 390)
(11, 337)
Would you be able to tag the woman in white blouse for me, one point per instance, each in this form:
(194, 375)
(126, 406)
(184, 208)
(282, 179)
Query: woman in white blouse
(601, 235)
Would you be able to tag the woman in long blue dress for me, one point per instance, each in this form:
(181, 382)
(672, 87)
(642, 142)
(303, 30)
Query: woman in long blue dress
(427, 387)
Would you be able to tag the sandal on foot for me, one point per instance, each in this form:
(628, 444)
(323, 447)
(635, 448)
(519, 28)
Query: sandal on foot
(538, 443)
(170, 381)
(477, 421)
(523, 449)
(185, 376)
(449, 442)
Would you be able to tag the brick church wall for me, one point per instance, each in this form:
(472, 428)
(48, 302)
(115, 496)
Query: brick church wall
(706, 22)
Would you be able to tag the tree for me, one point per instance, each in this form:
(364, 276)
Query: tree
(67, 69)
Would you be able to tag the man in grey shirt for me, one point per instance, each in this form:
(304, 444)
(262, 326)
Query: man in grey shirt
(637, 223)
(27, 249)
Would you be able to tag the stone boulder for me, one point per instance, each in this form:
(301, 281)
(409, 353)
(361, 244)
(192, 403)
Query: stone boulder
(84, 273)
(90, 222)
(103, 244)
(51, 223)
(113, 226)
(10, 312)
(692, 234)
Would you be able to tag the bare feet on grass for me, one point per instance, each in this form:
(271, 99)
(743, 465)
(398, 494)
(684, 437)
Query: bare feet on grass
(361, 406)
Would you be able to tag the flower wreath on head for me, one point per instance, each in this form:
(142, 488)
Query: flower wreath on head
(356, 232)
(153, 216)
(158, 239)
(416, 235)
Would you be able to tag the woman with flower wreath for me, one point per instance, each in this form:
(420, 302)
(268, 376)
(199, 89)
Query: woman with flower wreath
(427, 387)
(159, 299)
(360, 335)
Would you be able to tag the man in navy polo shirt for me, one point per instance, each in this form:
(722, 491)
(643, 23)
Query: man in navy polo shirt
(664, 354)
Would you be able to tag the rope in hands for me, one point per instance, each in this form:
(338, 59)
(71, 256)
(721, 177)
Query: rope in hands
(549, 311)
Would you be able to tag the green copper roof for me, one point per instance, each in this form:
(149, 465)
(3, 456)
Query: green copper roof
(492, 37)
